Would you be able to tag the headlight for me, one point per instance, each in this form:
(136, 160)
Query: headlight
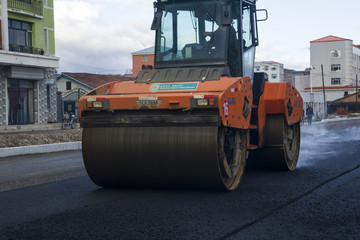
(97, 104)
(202, 102)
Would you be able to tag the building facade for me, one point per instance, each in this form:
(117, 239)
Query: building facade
(337, 60)
(289, 76)
(302, 80)
(143, 57)
(27, 62)
(72, 86)
(274, 70)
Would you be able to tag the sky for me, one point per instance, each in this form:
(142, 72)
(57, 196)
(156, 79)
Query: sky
(98, 36)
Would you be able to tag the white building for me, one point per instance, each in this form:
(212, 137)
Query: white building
(274, 70)
(340, 60)
(302, 80)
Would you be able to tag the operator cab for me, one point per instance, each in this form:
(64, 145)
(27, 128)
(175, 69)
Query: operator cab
(206, 34)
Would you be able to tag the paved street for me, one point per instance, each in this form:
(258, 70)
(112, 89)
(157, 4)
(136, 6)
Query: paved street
(318, 200)
(29, 170)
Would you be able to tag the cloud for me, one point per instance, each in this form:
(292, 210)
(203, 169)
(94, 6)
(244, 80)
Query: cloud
(295, 57)
(99, 36)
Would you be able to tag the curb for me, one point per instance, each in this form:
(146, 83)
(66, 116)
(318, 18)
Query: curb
(46, 148)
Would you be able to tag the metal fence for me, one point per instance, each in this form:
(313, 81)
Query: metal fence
(26, 49)
(348, 106)
(31, 6)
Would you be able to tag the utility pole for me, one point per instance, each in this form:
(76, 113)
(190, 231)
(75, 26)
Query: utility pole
(311, 77)
(323, 82)
(356, 95)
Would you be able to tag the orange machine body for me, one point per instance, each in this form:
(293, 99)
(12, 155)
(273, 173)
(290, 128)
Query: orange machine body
(283, 98)
(231, 96)
(278, 98)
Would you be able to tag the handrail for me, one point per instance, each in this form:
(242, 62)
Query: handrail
(31, 6)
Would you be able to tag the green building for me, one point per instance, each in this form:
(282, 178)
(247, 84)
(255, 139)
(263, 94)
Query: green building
(27, 62)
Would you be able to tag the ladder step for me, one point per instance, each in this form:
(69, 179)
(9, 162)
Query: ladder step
(252, 147)
(252, 126)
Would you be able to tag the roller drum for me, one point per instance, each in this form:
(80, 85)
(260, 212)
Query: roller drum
(161, 157)
(281, 145)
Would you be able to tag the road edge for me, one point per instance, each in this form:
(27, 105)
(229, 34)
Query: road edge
(46, 148)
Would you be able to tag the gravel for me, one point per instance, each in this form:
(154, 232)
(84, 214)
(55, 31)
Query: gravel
(39, 137)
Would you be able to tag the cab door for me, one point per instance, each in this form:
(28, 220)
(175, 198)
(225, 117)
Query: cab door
(250, 41)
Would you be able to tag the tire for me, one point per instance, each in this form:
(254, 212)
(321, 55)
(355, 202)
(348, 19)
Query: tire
(73, 124)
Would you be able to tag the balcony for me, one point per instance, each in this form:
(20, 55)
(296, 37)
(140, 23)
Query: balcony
(26, 49)
(28, 57)
(29, 6)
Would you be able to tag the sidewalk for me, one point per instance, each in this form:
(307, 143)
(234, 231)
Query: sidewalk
(29, 128)
(332, 120)
(45, 148)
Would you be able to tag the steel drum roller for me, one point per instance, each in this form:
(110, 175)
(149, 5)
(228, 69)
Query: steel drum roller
(281, 145)
(184, 157)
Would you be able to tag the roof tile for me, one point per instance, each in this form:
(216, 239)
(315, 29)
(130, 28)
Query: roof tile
(330, 38)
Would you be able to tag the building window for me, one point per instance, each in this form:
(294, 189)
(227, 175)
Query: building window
(335, 67)
(266, 68)
(45, 3)
(257, 68)
(145, 58)
(273, 76)
(20, 36)
(68, 86)
(335, 54)
(273, 68)
(335, 81)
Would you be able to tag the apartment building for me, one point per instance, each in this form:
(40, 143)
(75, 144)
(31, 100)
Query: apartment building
(274, 70)
(27, 62)
(338, 61)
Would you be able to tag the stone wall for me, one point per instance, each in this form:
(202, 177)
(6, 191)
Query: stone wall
(4, 71)
(47, 107)
(2, 100)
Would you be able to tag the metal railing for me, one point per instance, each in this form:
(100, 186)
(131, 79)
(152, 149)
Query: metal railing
(26, 49)
(30, 6)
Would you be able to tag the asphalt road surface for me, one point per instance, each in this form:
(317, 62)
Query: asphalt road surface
(51, 198)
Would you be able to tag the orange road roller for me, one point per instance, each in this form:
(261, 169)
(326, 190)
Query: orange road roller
(194, 118)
